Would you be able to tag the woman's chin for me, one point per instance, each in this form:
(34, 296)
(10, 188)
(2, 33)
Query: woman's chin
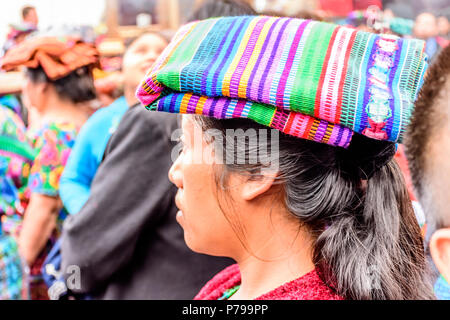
(200, 248)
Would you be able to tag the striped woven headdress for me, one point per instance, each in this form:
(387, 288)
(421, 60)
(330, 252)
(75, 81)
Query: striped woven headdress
(313, 80)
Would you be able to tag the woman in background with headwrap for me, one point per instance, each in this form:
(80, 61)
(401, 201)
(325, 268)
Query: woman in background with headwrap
(16, 156)
(58, 86)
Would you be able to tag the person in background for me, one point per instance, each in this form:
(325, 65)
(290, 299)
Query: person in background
(58, 85)
(88, 151)
(30, 17)
(125, 238)
(428, 150)
(16, 157)
(16, 35)
(444, 31)
(444, 26)
(319, 210)
(221, 8)
(426, 28)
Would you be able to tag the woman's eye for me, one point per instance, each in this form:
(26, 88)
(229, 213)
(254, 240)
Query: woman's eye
(141, 50)
(180, 141)
(183, 149)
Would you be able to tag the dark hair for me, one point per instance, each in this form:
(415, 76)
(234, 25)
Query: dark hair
(428, 118)
(302, 14)
(78, 86)
(368, 243)
(306, 14)
(222, 8)
(26, 10)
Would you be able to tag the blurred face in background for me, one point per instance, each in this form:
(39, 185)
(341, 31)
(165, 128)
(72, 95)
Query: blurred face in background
(425, 26)
(443, 26)
(31, 18)
(438, 180)
(138, 59)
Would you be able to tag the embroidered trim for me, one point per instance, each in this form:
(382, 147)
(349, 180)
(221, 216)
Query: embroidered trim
(378, 109)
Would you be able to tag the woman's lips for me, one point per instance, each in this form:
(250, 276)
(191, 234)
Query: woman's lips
(177, 199)
(179, 216)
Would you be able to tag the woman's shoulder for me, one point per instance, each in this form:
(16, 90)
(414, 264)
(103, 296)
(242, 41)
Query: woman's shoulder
(224, 280)
(55, 133)
(308, 287)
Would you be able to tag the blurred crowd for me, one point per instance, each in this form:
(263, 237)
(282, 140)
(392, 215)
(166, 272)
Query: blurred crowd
(87, 208)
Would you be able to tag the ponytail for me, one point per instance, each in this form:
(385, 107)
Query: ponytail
(377, 254)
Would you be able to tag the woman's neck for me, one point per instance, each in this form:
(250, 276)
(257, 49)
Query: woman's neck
(130, 95)
(274, 264)
(65, 111)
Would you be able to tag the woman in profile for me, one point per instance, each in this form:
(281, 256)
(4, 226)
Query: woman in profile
(319, 210)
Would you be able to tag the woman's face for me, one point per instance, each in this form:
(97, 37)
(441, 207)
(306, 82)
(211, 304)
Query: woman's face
(206, 230)
(140, 56)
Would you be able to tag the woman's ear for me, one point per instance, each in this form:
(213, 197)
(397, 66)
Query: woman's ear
(43, 87)
(252, 188)
(440, 251)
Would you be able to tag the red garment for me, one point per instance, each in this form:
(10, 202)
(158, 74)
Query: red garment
(400, 157)
(443, 42)
(364, 4)
(307, 287)
(341, 8)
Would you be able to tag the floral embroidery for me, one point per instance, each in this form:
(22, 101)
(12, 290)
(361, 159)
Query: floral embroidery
(15, 160)
(53, 144)
(378, 108)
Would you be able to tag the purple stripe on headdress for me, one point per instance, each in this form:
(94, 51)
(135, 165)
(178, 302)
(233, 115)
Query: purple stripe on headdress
(237, 75)
(289, 63)
(207, 107)
(214, 60)
(364, 116)
(212, 108)
(257, 85)
(270, 84)
(227, 55)
(393, 71)
(192, 104)
(173, 100)
(321, 129)
(333, 135)
(223, 104)
(272, 57)
(258, 61)
(348, 134)
(340, 132)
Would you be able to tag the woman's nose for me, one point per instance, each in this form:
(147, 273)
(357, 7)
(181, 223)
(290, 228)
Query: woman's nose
(175, 175)
(152, 55)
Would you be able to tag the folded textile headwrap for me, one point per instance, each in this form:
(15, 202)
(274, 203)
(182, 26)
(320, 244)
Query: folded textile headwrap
(309, 79)
(57, 56)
